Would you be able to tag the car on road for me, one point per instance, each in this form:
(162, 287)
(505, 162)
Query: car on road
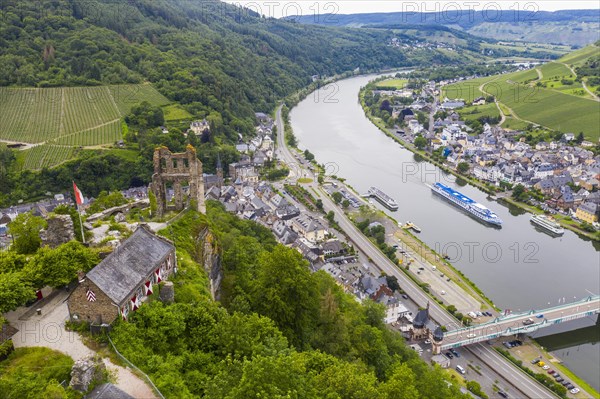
(489, 314)
(455, 352)
(404, 296)
(427, 341)
(449, 355)
(461, 369)
(443, 292)
(421, 268)
(503, 394)
(574, 391)
(448, 279)
(528, 321)
(540, 316)
(471, 335)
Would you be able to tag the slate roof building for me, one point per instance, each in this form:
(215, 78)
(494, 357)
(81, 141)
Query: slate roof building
(121, 282)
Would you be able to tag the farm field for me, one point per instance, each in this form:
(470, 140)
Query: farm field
(46, 156)
(551, 108)
(396, 83)
(578, 57)
(478, 111)
(35, 115)
(561, 107)
(554, 70)
(175, 112)
(64, 118)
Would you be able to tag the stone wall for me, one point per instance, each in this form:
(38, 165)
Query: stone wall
(210, 259)
(60, 230)
(102, 310)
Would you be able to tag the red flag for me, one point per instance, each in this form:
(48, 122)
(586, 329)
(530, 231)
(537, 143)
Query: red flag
(78, 195)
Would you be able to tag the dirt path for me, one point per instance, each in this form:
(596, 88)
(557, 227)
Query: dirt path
(540, 74)
(48, 330)
(591, 93)
(502, 116)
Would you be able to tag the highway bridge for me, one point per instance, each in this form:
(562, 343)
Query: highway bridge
(524, 322)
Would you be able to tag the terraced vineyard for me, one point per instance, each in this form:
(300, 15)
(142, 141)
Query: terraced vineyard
(40, 115)
(558, 107)
(68, 116)
(46, 156)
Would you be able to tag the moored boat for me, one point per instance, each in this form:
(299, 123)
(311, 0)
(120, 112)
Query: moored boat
(472, 207)
(548, 224)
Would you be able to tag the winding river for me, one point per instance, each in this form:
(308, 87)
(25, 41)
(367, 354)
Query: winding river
(517, 266)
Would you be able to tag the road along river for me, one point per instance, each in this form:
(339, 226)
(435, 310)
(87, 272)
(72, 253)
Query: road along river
(517, 266)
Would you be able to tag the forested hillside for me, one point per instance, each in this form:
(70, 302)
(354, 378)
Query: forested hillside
(281, 332)
(208, 55)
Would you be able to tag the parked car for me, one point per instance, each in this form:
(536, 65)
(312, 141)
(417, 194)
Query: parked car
(449, 355)
(560, 379)
(574, 391)
(537, 359)
(455, 352)
(546, 367)
(556, 375)
(566, 383)
(570, 386)
(551, 371)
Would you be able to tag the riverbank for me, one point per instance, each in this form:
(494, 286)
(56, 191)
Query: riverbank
(486, 188)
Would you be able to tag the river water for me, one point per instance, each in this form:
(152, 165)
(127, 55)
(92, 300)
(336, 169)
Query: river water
(517, 266)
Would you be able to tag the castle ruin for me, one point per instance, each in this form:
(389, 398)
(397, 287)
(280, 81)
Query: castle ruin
(178, 170)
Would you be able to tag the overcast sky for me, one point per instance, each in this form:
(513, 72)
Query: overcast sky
(279, 8)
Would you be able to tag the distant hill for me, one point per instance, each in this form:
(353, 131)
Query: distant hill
(570, 27)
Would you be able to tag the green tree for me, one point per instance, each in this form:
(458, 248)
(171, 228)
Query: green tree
(25, 229)
(284, 291)
(58, 267)
(420, 142)
(14, 291)
(463, 167)
(401, 384)
(107, 200)
(337, 197)
(345, 203)
(319, 204)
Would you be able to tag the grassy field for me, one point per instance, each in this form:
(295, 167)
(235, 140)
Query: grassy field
(59, 118)
(554, 70)
(478, 111)
(395, 83)
(578, 57)
(174, 112)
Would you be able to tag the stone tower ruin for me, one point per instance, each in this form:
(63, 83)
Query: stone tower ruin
(179, 170)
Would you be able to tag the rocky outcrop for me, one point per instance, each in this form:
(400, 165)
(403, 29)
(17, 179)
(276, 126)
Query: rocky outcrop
(60, 230)
(87, 371)
(167, 292)
(209, 257)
